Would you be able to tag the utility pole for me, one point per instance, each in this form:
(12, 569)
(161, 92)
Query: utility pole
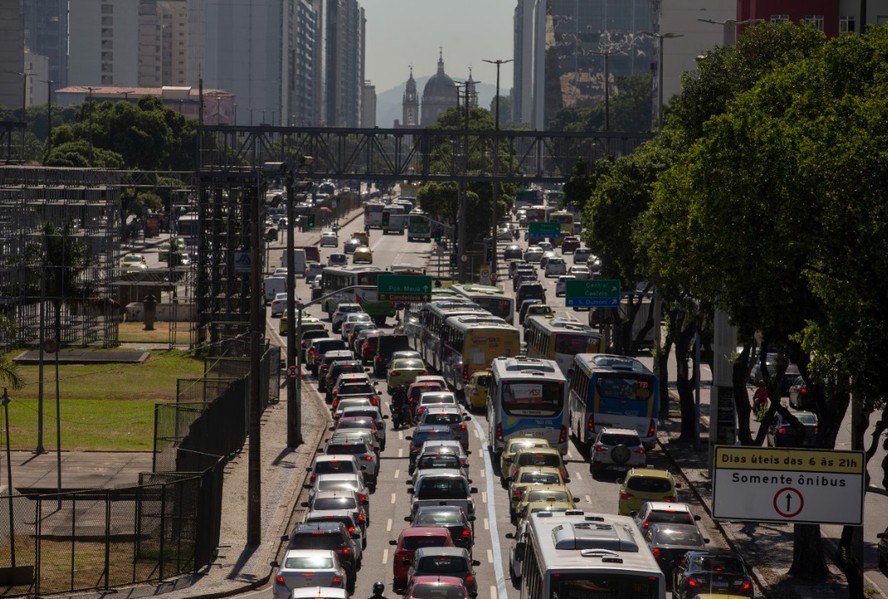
(257, 322)
(463, 190)
(496, 184)
(660, 37)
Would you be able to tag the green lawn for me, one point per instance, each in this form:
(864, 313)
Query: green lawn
(103, 406)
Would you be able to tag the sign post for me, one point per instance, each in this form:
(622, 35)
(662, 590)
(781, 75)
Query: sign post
(783, 484)
(592, 293)
(404, 288)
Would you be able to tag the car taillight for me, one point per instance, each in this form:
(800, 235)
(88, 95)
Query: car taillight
(368, 458)
(562, 436)
(466, 375)
(466, 533)
(351, 530)
(361, 517)
(590, 423)
(374, 400)
(563, 473)
(671, 499)
(279, 579)
(365, 347)
(652, 428)
(337, 580)
(469, 579)
(343, 551)
(640, 450)
(337, 415)
(693, 582)
(803, 390)
(747, 585)
(517, 492)
(656, 552)
(424, 372)
(462, 427)
(781, 430)
(362, 497)
(601, 448)
(335, 391)
(393, 373)
(498, 432)
(313, 476)
(400, 556)
(625, 495)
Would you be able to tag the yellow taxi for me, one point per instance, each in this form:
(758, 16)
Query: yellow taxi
(543, 494)
(511, 448)
(308, 324)
(475, 390)
(362, 255)
(645, 484)
(538, 456)
(527, 477)
(403, 371)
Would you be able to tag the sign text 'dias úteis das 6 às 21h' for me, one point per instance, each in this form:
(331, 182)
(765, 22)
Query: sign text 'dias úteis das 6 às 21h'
(804, 486)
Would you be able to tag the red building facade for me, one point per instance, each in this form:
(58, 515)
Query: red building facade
(823, 13)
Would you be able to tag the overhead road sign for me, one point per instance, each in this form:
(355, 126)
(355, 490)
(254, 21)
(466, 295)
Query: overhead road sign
(404, 288)
(596, 293)
(802, 486)
(543, 229)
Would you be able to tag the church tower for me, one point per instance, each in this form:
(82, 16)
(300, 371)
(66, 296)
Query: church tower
(410, 103)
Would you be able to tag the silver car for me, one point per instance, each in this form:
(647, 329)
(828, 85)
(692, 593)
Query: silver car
(371, 411)
(351, 320)
(340, 482)
(343, 310)
(307, 568)
(360, 450)
(446, 415)
(340, 500)
(443, 486)
(618, 449)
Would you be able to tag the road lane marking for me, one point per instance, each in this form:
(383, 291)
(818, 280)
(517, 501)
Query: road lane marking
(486, 524)
(577, 475)
(401, 452)
(489, 556)
(483, 496)
(483, 473)
(494, 532)
(588, 500)
(397, 473)
(493, 593)
(385, 556)
(388, 525)
(394, 498)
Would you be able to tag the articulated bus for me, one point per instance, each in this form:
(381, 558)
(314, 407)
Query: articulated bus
(493, 299)
(613, 391)
(560, 339)
(433, 324)
(373, 214)
(416, 317)
(470, 343)
(355, 284)
(581, 555)
(527, 397)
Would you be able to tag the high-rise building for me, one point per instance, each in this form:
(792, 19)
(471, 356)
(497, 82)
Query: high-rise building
(105, 43)
(12, 56)
(339, 72)
(299, 74)
(368, 105)
(46, 34)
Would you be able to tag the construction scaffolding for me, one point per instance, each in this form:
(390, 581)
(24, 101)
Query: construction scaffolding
(59, 255)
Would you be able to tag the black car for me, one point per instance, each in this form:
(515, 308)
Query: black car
(422, 434)
(718, 570)
(522, 277)
(451, 517)
(333, 536)
(530, 290)
(387, 345)
(670, 541)
(336, 368)
(513, 251)
(783, 433)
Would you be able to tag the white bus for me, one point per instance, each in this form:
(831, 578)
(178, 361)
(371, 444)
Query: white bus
(613, 391)
(560, 339)
(355, 284)
(491, 298)
(470, 343)
(581, 555)
(527, 397)
(373, 214)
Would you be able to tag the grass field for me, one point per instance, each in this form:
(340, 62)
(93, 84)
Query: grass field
(103, 406)
(134, 332)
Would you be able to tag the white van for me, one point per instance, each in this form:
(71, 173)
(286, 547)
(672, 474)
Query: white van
(273, 284)
(299, 260)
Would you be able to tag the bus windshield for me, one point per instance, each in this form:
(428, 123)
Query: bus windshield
(589, 585)
(533, 399)
(624, 388)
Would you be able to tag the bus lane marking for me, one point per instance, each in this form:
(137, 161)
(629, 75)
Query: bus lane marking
(500, 589)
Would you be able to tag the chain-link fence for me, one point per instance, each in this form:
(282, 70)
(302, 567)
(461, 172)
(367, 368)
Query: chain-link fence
(166, 526)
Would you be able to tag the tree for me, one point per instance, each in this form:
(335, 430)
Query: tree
(9, 373)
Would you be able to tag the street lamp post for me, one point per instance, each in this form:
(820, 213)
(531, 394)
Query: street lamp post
(48, 117)
(660, 37)
(729, 28)
(496, 185)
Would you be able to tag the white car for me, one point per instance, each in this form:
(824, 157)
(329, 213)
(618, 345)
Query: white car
(307, 568)
(555, 267)
(337, 259)
(561, 284)
(343, 310)
(329, 238)
(581, 255)
(351, 320)
(533, 253)
(545, 246)
(133, 263)
(580, 271)
(278, 304)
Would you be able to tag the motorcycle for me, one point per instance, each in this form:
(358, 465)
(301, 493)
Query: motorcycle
(400, 416)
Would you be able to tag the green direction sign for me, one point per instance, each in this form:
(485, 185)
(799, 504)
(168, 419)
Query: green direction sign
(404, 288)
(543, 229)
(598, 293)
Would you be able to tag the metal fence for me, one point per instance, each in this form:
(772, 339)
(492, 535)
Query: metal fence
(166, 526)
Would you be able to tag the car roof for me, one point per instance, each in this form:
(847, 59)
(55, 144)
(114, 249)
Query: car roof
(667, 506)
(335, 458)
(424, 531)
(441, 473)
(454, 551)
(618, 431)
(312, 527)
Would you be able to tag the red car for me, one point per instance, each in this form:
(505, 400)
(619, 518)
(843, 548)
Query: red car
(408, 542)
(444, 587)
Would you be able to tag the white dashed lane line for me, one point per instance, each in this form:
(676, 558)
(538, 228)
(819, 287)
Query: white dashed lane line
(388, 525)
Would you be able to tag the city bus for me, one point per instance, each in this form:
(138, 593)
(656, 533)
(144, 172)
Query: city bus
(612, 391)
(416, 316)
(565, 219)
(418, 226)
(560, 339)
(373, 214)
(576, 554)
(539, 214)
(529, 197)
(433, 323)
(493, 299)
(355, 284)
(470, 343)
(527, 397)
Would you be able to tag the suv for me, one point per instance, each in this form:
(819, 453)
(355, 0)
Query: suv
(332, 464)
(443, 486)
(318, 348)
(420, 435)
(617, 448)
(343, 310)
(333, 536)
(324, 358)
(386, 346)
(347, 518)
(445, 415)
(581, 255)
(570, 244)
(530, 291)
(652, 512)
(335, 369)
(451, 517)
(555, 267)
(645, 484)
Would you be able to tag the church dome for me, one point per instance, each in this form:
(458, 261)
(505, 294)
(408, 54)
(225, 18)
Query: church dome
(440, 86)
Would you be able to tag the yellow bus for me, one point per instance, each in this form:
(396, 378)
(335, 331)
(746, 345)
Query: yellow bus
(565, 219)
(560, 340)
(471, 342)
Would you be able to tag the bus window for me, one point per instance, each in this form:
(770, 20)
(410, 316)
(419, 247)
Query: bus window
(540, 398)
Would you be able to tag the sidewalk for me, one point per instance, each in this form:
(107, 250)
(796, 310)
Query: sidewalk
(767, 547)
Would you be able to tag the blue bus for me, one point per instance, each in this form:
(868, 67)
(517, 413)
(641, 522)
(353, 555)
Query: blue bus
(612, 391)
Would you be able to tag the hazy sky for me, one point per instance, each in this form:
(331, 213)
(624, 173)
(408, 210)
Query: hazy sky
(405, 32)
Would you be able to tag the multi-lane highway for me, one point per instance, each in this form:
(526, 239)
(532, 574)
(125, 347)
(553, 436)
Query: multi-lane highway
(390, 502)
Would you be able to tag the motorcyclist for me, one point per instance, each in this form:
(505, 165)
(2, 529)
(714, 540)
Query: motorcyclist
(760, 400)
(378, 590)
(400, 411)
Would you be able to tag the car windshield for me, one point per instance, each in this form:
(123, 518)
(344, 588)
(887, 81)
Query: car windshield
(356, 389)
(445, 419)
(334, 467)
(673, 516)
(446, 460)
(543, 478)
(408, 365)
(807, 419)
(531, 458)
(649, 484)
(345, 449)
(442, 488)
(308, 563)
(359, 422)
(436, 590)
(417, 542)
(336, 485)
(442, 564)
(723, 565)
(619, 439)
(679, 536)
(423, 436)
(317, 540)
(446, 518)
(334, 503)
(547, 496)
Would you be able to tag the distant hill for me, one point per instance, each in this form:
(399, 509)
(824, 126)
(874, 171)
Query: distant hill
(388, 103)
